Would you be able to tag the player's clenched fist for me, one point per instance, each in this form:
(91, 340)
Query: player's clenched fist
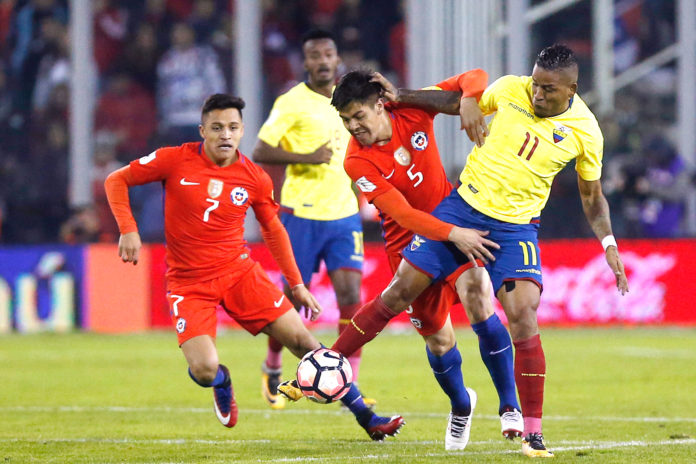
(129, 247)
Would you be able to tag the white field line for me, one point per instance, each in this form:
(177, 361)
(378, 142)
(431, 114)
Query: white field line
(328, 410)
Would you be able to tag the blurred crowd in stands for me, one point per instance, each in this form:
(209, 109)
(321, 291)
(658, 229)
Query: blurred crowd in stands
(157, 60)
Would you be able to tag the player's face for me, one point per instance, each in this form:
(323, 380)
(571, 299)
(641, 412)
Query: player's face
(365, 121)
(221, 131)
(321, 61)
(552, 90)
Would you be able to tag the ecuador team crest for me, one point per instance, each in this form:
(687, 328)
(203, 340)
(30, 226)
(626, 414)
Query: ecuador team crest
(215, 188)
(560, 133)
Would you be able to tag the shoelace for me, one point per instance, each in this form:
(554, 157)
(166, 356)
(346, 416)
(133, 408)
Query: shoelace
(509, 415)
(457, 425)
(536, 441)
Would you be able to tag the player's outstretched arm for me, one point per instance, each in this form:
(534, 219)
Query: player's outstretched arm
(596, 209)
(473, 243)
(265, 153)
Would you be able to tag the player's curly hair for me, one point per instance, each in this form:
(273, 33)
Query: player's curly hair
(355, 86)
(222, 101)
(556, 56)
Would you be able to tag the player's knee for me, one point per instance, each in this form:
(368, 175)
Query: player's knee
(301, 343)
(522, 320)
(398, 297)
(204, 371)
(440, 343)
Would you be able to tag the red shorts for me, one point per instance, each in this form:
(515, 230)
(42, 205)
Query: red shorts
(246, 294)
(429, 312)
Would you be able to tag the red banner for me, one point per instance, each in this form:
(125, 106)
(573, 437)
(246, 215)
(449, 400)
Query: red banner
(579, 287)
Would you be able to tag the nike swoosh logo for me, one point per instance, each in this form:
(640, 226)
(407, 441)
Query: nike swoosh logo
(183, 181)
(277, 303)
(224, 419)
(499, 351)
(389, 176)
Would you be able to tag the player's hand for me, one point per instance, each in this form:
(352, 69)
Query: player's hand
(389, 92)
(616, 265)
(305, 299)
(129, 247)
(473, 243)
(320, 155)
(472, 120)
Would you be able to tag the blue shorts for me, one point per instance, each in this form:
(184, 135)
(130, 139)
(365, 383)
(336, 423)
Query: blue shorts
(517, 259)
(338, 243)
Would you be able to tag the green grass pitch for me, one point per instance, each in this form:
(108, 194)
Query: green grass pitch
(612, 395)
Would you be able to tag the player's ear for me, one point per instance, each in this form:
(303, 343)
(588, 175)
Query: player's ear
(201, 131)
(573, 88)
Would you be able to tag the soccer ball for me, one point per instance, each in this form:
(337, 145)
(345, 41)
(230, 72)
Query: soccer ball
(324, 375)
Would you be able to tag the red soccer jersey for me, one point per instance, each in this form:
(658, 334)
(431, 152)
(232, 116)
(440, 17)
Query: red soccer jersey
(204, 207)
(410, 163)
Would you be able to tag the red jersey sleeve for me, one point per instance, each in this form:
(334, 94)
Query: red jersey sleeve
(116, 186)
(366, 175)
(395, 205)
(471, 83)
(155, 166)
(265, 207)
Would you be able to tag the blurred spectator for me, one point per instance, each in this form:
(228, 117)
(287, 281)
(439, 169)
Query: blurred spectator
(140, 57)
(128, 111)
(54, 68)
(204, 19)
(26, 27)
(663, 188)
(81, 227)
(110, 27)
(6, 9)
(104, 164)
(188, 74)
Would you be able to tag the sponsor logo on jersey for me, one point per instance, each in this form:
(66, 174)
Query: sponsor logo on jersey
(560, 133)
(214, 188)
(419, 140)
(180, 325)
(148, 158)
(239, 196)
(365, 185)
(472, 188)
(402, 156)
(416, 242)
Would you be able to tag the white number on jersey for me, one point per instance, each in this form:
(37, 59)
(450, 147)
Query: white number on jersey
(215, 204)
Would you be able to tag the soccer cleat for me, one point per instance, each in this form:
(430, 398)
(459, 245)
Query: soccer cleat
(270, 379)
(381, 427)
(533, 446)
(511, 423)
(290, 390)
(459, 427)
(225, 404)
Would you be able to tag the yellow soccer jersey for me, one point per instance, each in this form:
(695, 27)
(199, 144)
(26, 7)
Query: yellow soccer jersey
(510, 177)
(300, 122)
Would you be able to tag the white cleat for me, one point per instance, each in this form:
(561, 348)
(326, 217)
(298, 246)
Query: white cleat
(459, 427)
(511, 424)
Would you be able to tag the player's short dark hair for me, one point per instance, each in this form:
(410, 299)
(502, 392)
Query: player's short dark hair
(222, 101)
(555, 57)
(317, 34)
(355, 86)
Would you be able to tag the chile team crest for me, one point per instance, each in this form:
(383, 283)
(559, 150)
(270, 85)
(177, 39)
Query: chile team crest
(239, 196)
(419, 140)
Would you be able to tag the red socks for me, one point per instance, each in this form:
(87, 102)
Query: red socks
(530, 375)
(367, 323)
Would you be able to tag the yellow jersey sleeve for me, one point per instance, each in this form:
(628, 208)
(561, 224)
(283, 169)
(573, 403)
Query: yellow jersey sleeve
(300, 122)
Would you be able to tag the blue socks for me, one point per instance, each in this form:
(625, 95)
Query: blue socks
(353, 401)
(220, 378)
(496, 352)
(448, 372)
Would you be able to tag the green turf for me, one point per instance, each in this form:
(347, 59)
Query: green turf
(613, 395)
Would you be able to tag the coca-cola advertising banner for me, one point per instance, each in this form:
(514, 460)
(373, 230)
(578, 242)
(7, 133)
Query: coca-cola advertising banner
(579, 287)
